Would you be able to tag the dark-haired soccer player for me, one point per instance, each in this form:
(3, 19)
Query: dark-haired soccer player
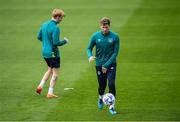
(107, 47)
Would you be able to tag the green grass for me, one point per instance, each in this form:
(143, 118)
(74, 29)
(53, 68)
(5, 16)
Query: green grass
(148, 71)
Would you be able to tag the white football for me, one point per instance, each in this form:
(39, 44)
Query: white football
(108, 99)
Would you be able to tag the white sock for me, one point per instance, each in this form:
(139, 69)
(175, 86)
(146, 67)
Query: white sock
(100, 96)
(50, 91)
(42, 83)
(111, 106)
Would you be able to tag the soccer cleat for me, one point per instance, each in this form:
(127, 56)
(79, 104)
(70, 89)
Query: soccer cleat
(112, 111)
(100, 103)
(51, 96)
(38, 90)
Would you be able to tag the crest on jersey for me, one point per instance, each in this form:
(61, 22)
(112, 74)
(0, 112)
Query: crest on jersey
(110, 40)
(98, 40)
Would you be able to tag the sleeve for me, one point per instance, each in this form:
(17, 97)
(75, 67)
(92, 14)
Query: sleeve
(114, 55)
(39, 37)
(56, 38)
(90, 46)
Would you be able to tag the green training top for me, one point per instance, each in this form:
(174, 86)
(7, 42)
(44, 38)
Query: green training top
(107, 48)
(49, 35)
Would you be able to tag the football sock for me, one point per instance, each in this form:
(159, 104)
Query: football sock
(50, 91)
(100, 96)
(42, 83)
(111, 106)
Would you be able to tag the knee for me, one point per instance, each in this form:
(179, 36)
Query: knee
(55, 72)
(49, 70)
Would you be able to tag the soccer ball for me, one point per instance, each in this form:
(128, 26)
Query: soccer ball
(108, 99)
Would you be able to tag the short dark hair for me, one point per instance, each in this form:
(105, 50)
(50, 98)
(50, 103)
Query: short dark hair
(105, 21)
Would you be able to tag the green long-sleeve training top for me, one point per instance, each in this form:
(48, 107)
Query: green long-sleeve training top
(107, 48)
(49, 34)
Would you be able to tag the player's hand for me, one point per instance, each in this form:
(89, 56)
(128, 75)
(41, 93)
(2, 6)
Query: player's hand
(92, 58)
(66, 39)
(104, 70)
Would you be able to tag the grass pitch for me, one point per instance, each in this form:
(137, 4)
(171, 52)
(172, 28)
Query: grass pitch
(148, 85)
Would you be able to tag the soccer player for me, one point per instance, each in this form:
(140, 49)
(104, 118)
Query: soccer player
(49, 36)
(107, 47)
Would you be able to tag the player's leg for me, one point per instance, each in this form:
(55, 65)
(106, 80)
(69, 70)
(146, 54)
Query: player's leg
(52, 83)
(111, 76)
(102, 82)
(55, 70)
(44, 79)
(46, 76)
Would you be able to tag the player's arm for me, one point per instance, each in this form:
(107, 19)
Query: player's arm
(114, 55)
(56, 38)
(90, 48)
(39, 37)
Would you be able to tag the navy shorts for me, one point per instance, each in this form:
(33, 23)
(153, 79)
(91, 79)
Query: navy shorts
(53, 62)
